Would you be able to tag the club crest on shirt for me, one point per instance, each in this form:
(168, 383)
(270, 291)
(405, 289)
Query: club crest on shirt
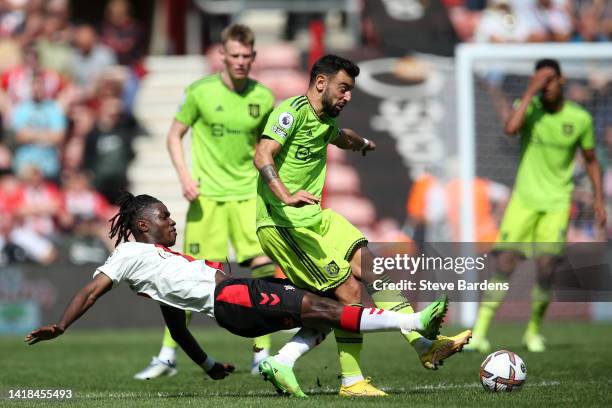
(285, 120)
(194, 248)
(332, 269)
(254, 110)
(568, 129)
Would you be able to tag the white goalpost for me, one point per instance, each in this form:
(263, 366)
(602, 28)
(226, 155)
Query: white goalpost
(503, 70)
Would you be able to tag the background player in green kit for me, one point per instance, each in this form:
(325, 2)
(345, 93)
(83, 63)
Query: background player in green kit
(536, 220)
(319, 249)
(226, 113)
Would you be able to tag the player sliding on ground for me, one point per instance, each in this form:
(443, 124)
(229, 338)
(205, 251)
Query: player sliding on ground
(246, 307)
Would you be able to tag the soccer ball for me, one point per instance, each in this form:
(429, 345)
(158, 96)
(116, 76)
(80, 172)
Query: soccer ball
(503, 370)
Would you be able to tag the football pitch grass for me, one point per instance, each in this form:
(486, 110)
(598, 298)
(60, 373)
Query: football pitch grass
(98, 367)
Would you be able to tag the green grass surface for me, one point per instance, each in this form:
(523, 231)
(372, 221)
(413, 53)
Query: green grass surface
(98, 367)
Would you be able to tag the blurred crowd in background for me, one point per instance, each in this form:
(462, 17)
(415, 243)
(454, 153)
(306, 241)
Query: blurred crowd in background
(67, 91)
(68, 87)
(503, 21)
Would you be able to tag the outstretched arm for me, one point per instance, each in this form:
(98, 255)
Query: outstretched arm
(175, 320)
(81, 302)
(348, 139)
(264, 161)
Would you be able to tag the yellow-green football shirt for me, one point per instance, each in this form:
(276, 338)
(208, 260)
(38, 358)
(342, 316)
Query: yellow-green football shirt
(549, 142)
(301, 162)
(225, 127)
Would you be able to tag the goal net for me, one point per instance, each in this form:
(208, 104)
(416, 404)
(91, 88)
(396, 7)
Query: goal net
(489, 79)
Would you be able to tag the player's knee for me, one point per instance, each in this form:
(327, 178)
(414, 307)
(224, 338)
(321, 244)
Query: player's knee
(506, 262)
(356, 261)
(546, 267)
(316, 309)
(349, 292)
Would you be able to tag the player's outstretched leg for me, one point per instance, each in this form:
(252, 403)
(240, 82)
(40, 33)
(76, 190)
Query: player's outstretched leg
(356, 319)
(323, 312)
(444, 347)
(425, 323)
(432, 317)
(318, 311)
(425, 345)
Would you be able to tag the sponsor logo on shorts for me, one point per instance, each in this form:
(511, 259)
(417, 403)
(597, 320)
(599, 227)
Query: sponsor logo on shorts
(194, 248)
(332, 269)
(289, 287)
(279, 131)
(285, 120)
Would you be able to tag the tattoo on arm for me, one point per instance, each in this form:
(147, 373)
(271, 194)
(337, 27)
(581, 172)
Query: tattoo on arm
(268, 172)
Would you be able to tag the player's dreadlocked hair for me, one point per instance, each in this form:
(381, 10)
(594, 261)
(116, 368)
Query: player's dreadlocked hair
(130, 207)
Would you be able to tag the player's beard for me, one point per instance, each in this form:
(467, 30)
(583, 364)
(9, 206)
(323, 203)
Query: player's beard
(328, 107)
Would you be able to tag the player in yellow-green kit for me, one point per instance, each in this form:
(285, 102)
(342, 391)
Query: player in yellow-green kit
(319, 249)
(226, 113)
(535, 223)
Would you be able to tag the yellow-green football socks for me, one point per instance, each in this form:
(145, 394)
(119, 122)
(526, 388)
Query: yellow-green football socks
(349, 354)
(540, 299)
(491, 300)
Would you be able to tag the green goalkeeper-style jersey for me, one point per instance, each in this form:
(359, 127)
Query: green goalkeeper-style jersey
(301, 162)
(225, 127)
(548, 147)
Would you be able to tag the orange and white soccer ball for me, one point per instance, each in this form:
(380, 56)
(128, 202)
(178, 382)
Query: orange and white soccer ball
(503, 370)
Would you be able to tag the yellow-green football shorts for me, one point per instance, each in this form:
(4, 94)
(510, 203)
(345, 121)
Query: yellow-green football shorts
(314, 257)
(532, 231)
(211, 224)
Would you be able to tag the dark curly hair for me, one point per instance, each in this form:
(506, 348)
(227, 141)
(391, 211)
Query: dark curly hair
(331, 64)
(130, 208)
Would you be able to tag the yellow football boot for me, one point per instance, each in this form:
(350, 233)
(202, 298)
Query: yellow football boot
(362, 388)
(444, 347)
